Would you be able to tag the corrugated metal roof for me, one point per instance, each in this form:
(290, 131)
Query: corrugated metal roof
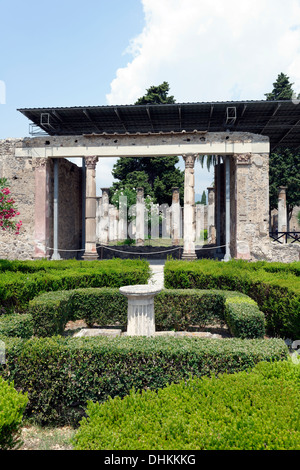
(279, 120)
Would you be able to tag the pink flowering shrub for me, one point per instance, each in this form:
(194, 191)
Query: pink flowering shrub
(8, 212)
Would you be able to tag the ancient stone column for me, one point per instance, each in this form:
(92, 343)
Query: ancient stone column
(104, 218)
(55, 255)
(227, 256)
(175, 217)
(154, 221)
(200, 214)
(42, 208)
(115, 214)
(98, 217)
(90, 210)
(122, 225)
(211, 228)
(189, 222)
(218, 204)
(140, 217)
(164, 210)
(282, 211)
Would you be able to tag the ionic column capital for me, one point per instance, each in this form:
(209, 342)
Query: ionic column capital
(91, 162)
(189, 160)
(243, 158)
(41, 162)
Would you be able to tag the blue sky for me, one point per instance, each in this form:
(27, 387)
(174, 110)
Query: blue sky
(61, 53)
(101, 52)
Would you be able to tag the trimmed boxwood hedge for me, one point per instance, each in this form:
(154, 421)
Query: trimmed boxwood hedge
(17, 325)
(174, 309)
(62, 374)
(249, 410)
(12, 407)
(274, 286)
(21, 281)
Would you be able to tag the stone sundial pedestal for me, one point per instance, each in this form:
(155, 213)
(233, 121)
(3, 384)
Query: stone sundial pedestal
(141, 321)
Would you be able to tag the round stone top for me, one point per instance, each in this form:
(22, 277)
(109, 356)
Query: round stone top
(140, 290)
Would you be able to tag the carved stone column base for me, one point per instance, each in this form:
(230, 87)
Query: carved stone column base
(189, 256)
(90, 256)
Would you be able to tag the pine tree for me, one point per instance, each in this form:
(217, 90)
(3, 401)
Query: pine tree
(203, 198)
(157, 95)
(158, 175)
(284, 163)
(282, 89)
(285, 171)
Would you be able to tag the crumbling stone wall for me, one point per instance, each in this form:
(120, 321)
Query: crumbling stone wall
(252, 204)
(20, 173)
(25, 176)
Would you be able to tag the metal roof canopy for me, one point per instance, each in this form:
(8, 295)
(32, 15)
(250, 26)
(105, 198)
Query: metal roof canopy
(279, 120)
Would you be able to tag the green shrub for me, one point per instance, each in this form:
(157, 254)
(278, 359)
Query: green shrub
(249, 410)
(105, 306)
(16, 325)
(179, 309)
(17, 288)
(243, 317)
(62, 374)
(275, 287)
(12, 407)
(50, 313)
(174, 309)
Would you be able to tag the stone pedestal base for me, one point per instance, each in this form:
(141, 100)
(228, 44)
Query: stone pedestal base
(141, 320)
(90, 256)
(189, 256)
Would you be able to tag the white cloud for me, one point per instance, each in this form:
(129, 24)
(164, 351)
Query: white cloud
(211, 50)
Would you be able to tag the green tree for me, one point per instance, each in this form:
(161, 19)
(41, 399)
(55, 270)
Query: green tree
(157, 175)
(203, 199)
(284, 162)
(210, 160)
(157, 95)
(282, 89)
(285, 171)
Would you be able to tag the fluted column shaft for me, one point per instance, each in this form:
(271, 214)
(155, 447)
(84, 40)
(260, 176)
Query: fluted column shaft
(90, 209)
(189, 220)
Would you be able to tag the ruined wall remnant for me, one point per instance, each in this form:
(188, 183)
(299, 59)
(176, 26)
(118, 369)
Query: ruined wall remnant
(31, 182)
(20, 173)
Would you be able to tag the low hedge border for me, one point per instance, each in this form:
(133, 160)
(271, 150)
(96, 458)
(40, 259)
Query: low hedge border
(61, 374)
(17, 288)
(249, 410)
(12, 407)
(174, 309)
(275, 287)
(16, 325)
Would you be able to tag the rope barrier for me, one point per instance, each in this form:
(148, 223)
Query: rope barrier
(210, 247)
(69, 251)
(137, 252)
